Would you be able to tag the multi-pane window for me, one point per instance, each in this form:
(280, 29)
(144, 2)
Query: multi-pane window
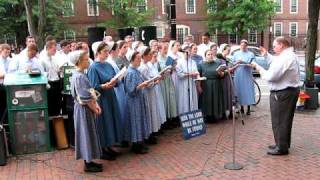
(68, 8)
(93, 7)
(293, 26)
(278, 6)
(190, 6)
(182, 31)
(252, 36)
(142, 6)
(212, 5)
(277, 29)
(70, 35)
(293, 6)
(232, 38)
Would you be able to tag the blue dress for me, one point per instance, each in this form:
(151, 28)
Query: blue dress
(137, 123)
(87, 145)
(243, 79)
(108, 123)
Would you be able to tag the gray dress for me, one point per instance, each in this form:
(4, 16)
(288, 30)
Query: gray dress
(87, 146)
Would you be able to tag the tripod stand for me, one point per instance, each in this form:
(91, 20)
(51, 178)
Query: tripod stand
(235, 107)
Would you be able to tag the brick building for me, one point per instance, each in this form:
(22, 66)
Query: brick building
(290, 20)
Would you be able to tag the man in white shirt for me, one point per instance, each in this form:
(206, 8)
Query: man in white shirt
(283, 78)
(26, 63)
(4, 64)
(51, 66)
(205, 45)
(29, 40)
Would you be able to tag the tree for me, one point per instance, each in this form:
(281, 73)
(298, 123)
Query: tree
(313, 14)
(37, 17)
(237, 16)
(127, 13)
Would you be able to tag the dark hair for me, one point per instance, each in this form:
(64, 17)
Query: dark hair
(5, 46)
(121, 44)
(64, 43)
(79, 45)
(50, 44)
(114, 47)
(50, 38)
(134, 56)
(147, 51)
(101, 47)
(33, 47)
(192, 45)
(206, 34)
(29, 37)
(205, 53)
(225, 47)
(175, 42)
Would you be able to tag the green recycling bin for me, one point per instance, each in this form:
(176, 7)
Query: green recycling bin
(27, 113)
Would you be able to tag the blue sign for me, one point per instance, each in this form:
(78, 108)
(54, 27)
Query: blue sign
(192, 124)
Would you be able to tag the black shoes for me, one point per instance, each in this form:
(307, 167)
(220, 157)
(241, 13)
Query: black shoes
(92, 167)
(272, 146)
(276, 151)
(152, 140)
(139, 148)
(107, 155)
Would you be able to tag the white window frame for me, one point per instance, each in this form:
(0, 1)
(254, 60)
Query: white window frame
(274, 28)
(163, 6)
(88, 9)
(256, 37)
(195, 7)
(297, 2)
(146, 7)
(229, 35)
(281, 7)
(183, 27)
(72, 7)
(307, 24)
(160, 26)
(68, 31)
(208, 11)
(290, 23)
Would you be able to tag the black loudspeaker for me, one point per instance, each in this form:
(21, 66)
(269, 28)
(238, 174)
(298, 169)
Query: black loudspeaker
(123, 32)
(95, 34)
(147, 33)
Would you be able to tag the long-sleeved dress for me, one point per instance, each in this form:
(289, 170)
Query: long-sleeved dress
(108, 123)
(137, 126)
(183, 84)
(243, 80)
(212, 97)
(87, 145)
(119, 90)
(153, 110)
(168, 91)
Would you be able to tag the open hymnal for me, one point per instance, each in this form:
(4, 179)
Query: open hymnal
(167, 68)
(221, 68)
(200, 79)
(119, 76)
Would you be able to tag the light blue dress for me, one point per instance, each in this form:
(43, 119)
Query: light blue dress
(243, 79)
(108, 123)
(87, 145)
(137, 123)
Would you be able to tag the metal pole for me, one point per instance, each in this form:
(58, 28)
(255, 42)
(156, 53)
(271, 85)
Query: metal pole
(173, 20)
(233, 165)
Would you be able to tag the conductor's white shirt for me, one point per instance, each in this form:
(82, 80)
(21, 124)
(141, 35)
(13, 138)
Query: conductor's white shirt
(283, 71)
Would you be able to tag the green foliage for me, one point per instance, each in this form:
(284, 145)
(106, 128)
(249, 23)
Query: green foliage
(239, 15)
(127, 13)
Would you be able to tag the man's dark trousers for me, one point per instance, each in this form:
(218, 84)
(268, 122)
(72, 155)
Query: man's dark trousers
(282, 107)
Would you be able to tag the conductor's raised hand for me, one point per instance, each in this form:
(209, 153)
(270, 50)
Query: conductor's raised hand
(263, 51)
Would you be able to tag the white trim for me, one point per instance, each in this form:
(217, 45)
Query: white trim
(183, 27)
(229, 38)
(72, 8)
(307, 24)
(163, 6)
(297, 2)
(281, 7)
(195, 7)
(71, 32)
(296, 23)
(88, 8)
(274, 28)
(256, 37)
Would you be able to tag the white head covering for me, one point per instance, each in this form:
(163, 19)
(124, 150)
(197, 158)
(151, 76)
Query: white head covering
(142, 49)
(135, 44)
(110, 45)
(74, 56)
(94, 47)
(222, 46)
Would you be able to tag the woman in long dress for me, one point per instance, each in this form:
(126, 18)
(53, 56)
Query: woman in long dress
(187, 96)
(212, 88)
(167, 86)
(87, 145)
(101, 75)
(151, 94)
(137, 127)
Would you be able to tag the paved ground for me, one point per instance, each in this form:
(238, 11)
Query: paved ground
(200, 158)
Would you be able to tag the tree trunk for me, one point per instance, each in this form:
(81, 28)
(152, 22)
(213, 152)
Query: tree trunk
(31, 28)
(313, 14)
(41, 22)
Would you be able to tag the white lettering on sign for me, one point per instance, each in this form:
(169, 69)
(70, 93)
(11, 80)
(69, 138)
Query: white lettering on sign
(24, 94)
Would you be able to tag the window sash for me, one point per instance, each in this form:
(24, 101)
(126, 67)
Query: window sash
(70, 35)
(278, 29)
(91, 7)
(278, 6)
(252, 36)
(190, 6)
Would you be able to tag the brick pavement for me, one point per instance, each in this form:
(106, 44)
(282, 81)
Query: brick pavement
(199, 158)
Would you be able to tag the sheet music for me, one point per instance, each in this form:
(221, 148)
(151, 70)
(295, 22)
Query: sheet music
(119, 76)
(165, 69)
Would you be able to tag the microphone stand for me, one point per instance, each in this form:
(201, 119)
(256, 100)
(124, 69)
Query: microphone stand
(235, 106)
(189, 101)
